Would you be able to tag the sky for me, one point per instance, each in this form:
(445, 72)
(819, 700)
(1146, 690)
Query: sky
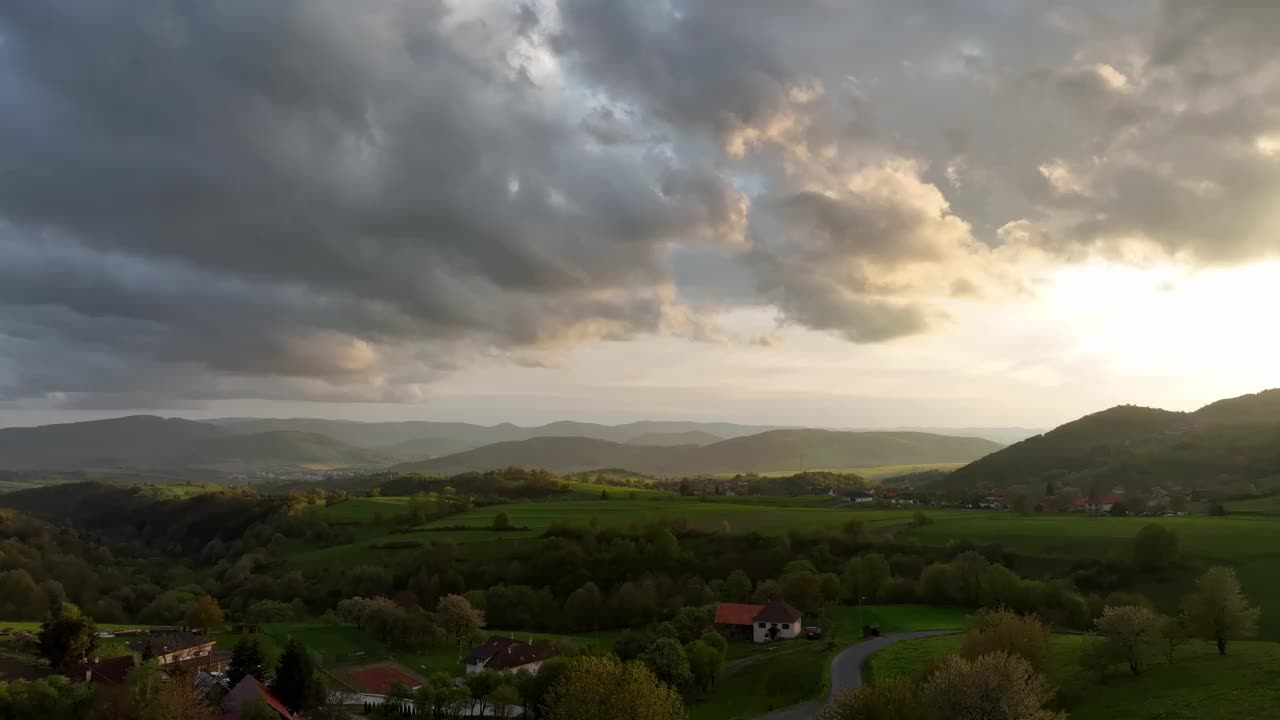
(870, 213)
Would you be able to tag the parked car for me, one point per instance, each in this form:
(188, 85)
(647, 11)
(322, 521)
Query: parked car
(813, 632)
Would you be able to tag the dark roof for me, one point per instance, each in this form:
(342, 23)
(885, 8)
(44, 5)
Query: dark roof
(778, 612)
(247, 689)
(14, 669)
(500, 653)
(736, 613)
(109, 671)
(170, 642)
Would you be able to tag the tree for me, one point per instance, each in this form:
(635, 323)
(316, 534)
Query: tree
(1175, 632)
(668, 661)
(894, 698)
(603, 687)
(205, 615)
(1155, 547)
(1118, 510)
(604, 494)
(584, 606)
(705, 662)
(67, 640)
(247, 659)
(804, 590)
(502, 521)
(295, 681)
(1006, 631)
(994, 686)
(458, 617)
(535, 689)
(919, 519)
(1219, 611)
(1020, 503)
(1128, 634)
(737, 587)
(504, 698)
(1178, 503)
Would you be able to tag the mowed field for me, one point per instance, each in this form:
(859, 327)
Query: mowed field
(1198, 685)
(368, 519)
(1249, 544)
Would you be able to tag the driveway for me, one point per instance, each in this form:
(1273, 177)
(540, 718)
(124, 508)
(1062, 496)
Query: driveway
(846, 672)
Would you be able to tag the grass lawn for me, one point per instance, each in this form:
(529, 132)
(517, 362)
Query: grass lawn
(623, 508)
(1250, 544)
(762, 678)
(1199, 685)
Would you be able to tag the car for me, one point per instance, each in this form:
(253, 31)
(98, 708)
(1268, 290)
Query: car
(813, 633)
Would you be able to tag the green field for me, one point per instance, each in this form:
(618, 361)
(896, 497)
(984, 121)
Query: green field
(1199, 685)
(778, 675)
(1249, 544)
(623, 508)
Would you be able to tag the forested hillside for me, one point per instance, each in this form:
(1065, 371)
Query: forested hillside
(1228, 446)
(774, 451)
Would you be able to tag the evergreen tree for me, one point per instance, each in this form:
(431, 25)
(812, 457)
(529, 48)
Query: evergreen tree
(246, 659)
(295, 681)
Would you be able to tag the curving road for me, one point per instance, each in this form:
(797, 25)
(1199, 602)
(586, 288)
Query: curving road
(846, 672)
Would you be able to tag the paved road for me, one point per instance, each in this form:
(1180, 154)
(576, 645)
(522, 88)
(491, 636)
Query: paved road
(846, 672)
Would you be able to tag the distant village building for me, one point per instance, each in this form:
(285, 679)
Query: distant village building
(760, 623)
(862, 496)
(507, 654)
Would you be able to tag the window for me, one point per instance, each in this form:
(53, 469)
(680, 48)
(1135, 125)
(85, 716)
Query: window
(761, 624)
(786, 626)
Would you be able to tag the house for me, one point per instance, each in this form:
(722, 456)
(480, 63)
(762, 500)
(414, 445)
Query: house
(111, 671)
(762, 623)
(1103, 503)
(503, 654)
(15, 669)
(862, 496)
(179, 646)
(776, 621)
(244, 692)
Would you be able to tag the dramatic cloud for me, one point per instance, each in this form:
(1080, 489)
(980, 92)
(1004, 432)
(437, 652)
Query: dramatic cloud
(334, 200)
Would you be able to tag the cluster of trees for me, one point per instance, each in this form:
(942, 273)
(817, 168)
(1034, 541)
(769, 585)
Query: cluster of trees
(1136, 636)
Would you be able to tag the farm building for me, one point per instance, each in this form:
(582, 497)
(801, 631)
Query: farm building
(179, 646)
(110, 671)
(762, 623)
(244, 692)
(502, 654)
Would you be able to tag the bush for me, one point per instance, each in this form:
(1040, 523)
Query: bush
(1006, 631)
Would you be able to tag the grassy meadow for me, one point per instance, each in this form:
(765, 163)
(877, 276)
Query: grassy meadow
(1198, 685)
(1249, 544)
(368, 519)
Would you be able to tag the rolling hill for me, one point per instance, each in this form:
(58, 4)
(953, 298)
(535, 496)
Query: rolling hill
(144, 442)
(670, 439)
(1225, 446)
(773, 451)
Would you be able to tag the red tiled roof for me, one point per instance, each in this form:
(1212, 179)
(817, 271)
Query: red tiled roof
(247, 689)
(736, 613)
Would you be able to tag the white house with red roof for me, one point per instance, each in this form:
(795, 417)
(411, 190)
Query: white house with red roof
(764, 623)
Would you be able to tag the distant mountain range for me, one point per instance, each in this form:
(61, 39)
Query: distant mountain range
(231, 445)
(1226, 446)
(771, 451)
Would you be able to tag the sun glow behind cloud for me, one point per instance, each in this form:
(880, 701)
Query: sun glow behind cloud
(1215, 329)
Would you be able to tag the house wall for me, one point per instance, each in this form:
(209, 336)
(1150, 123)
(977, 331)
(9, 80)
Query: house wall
(786, 631)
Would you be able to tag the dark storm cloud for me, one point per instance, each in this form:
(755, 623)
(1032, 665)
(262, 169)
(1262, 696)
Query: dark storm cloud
(342, 200)
(258, 188)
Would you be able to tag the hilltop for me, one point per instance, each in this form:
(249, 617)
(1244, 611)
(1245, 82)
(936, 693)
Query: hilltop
(773, 451)
(1227, 446)
(669, 439)
(143, 442)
